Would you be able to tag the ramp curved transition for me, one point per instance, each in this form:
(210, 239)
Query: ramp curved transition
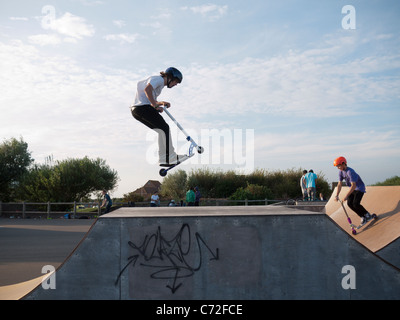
(385, 203)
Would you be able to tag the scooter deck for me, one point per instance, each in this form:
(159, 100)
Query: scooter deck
(164, 171)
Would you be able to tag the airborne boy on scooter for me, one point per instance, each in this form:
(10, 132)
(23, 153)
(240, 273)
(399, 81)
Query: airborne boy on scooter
(147, 109)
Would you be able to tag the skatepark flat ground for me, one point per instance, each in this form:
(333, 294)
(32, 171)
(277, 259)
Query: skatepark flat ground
(26, 245)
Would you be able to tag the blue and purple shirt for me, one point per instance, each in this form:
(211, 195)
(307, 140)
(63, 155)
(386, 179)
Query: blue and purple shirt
(349, 175)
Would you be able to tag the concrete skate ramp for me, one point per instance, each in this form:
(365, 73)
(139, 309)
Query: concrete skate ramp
(380, 236)
(219, 253)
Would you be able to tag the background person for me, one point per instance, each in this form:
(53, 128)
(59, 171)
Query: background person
(303, 186)
(155, 200)
(311, 178)
(107, 202)
(190, 197)
(197, 196)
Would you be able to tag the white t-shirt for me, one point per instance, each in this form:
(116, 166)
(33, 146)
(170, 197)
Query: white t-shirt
(155, 198)
(157, 82)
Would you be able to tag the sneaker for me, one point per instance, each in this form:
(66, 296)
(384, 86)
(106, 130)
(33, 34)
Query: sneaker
(176, 159)
(365, 219)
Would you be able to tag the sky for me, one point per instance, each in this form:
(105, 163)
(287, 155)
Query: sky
(271, 85)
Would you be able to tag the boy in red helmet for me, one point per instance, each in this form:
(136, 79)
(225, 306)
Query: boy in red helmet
(356, 192)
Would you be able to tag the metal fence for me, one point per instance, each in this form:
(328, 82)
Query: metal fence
(76, 210)
(47, 210)
(81, 210)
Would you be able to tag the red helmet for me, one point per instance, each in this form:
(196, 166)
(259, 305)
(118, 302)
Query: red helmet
(340, 160)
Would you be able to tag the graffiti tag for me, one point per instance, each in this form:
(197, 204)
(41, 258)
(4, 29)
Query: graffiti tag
(169, 258)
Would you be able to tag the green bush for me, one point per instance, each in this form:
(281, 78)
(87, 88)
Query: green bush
(260, 184)
(393, 181)
(252, 192)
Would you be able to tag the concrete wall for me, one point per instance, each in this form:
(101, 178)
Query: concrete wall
(234, 253)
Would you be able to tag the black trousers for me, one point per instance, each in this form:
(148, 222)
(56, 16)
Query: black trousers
(354, 203)
(151, 118)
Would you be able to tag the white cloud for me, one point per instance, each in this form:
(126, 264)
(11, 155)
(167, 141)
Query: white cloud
(45, 39)
(91, 3)
(160, 24)
(159, 29)
(163, 15)
(211, 11)
(123, 37)
(70, 26)
(119, 23)
(19, 19)
(155, 24)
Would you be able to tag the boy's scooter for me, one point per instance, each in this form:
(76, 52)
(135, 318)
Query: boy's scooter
(352, 226)
(163, 172)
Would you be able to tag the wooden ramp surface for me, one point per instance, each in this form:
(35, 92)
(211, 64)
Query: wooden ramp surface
(384, 202)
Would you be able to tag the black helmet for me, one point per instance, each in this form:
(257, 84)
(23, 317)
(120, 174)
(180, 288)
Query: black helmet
(174, 73)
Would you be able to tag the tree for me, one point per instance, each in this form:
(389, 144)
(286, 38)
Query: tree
(216, 183)
(14, 162)
(132, 197)
(174, 186)
(38, 184)
(68, 180)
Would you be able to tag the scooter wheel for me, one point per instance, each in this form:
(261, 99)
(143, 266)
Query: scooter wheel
(163, 172)
(354, 232)
(200, 149)
(375, 216)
